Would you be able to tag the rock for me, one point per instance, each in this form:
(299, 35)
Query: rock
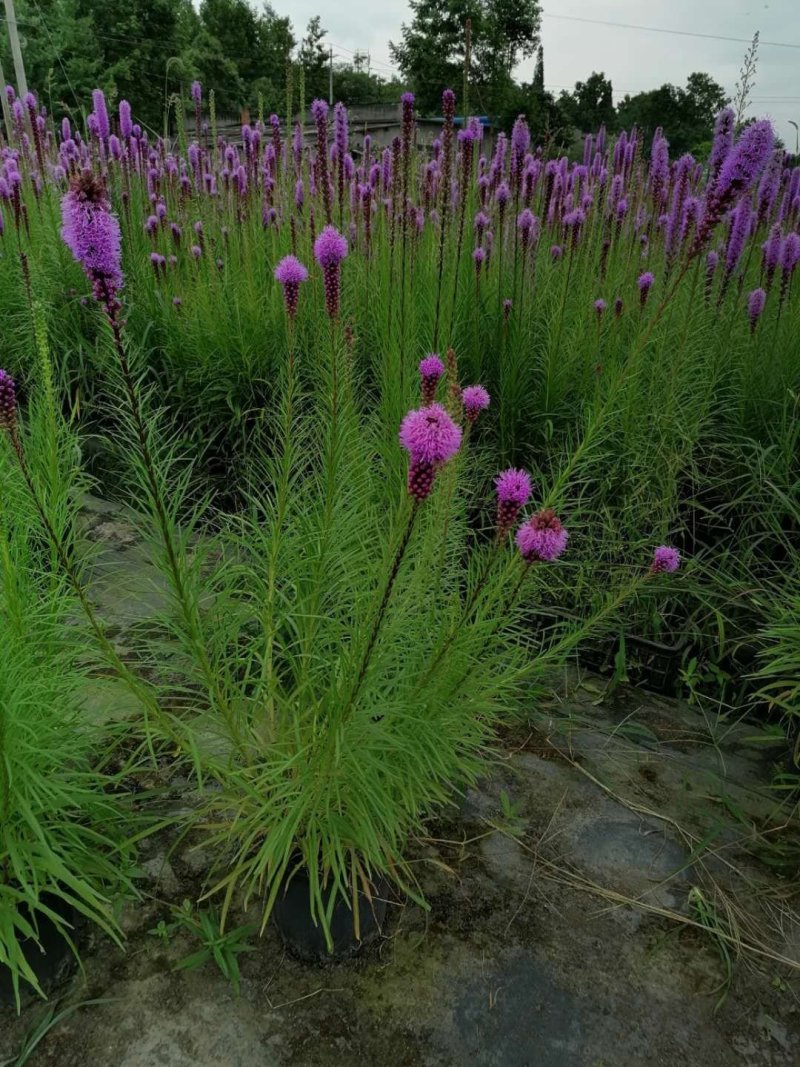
(160, 872)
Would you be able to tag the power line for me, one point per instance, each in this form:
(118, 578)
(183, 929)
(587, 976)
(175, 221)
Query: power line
(661, 29)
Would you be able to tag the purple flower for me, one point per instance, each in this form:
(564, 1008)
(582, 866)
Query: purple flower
(600, 306)
(475, 400)
(197, 251)
(431, 438)
(618, 307)
(739, 232)
(513, 493)
(291, 273)
(501, 196)
(8, 403)
(772, 250)
(723, 140)
(101, 114)
(125, 121)
(431, 370)
(330, 248)
(340, 132)
(665, 560)
(92, 234)
(739, 171)
(790, 252)
(197, 93)
(508, 303)
(430, 435)
(645, 282)
(542, 538)
(556, 252)
(478, 257)
(755, 305)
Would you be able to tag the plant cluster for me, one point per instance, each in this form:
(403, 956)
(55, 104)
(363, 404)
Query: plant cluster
(461, 394)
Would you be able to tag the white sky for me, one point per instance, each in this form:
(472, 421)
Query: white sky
(633, 59)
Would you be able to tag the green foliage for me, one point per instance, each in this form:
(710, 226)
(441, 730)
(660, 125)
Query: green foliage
(431, 53)
(65, 829)
(685, 114)
(217, 945)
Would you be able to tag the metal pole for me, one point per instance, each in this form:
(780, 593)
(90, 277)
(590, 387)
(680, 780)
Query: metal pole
(330, 77)
(16, 51)
(6, 108)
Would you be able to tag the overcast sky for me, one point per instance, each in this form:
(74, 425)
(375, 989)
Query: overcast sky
(634, 59)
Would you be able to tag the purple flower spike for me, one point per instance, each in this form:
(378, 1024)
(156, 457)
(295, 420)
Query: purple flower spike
(291, 273)
(599, 307)
(543, 538)
(645, 282)
(513, 493)
(431, 438)
(8, 403)
(755, 305)
(125, 120)
(197, 93)
(92, 234)
(666, 560)
(330, 248)
(475, 400)
(431, 370)
(101, 114)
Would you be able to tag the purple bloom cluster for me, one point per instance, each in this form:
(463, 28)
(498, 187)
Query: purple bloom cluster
(542, 538)
(92, 234)
(431, 369)
(8, 403)
(330, 248)
(431, 439)
(291, 273)
(666, 560)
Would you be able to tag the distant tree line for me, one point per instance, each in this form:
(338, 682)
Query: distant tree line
(145, 50)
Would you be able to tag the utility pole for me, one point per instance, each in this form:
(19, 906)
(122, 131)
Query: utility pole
(16, 51)
(330, 77)
(6, 107)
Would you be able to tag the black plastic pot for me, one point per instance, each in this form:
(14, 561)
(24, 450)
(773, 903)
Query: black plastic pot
(49, 956)
(292, 917)
(653, 664)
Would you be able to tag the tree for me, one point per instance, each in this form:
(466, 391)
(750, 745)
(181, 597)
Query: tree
(431, 51)
(313, 58)
(590, 105)
(686, 115)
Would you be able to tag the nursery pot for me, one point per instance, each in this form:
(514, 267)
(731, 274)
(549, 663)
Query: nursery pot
(50, 957)
(305, 939)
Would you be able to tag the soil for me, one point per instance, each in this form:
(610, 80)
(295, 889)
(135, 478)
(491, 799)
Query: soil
(562, 894)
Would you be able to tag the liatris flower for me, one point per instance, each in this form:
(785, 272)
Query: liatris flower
(618, 307)
(520, 143)
(755, 305)
(526, 224)
(772, 251)
(739, 232)
(330, 248)
(542, 538)
(475, 400)
(723, 140)
(431, 370)
(599, 307)
(101, 114)
(513, 493)
(431, 438)
(478, 257)
(507, 305)
(92, 234)
(645, 282)
(197, 251)
(666, 560)
(159, 264)
(196, 93)
(8, 403)
(556, 252)
(740, 169)
(790, 257)
(291, 273)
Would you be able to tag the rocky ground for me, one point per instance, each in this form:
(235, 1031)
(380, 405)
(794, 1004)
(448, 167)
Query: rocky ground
(600, 899)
